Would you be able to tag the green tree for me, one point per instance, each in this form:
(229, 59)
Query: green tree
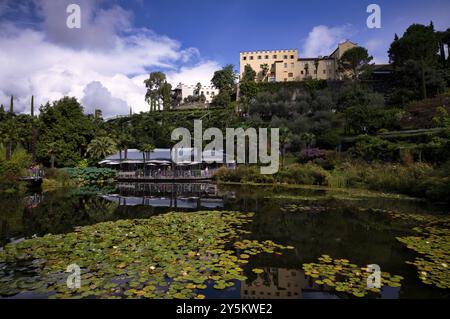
(420, 44)
(442, 118)
(124, 141)
(316, 65)
(285, 140)
(225, 79)
(153, 85)
(146, 149)
(249, 74)
(265, 72)
(64, 124)
(9, 135)
(355, 61)
(101, 147)
(11, 105)
(166, 95)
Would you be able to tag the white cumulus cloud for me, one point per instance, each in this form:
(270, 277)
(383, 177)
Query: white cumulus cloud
(323, 40)
(103, 64)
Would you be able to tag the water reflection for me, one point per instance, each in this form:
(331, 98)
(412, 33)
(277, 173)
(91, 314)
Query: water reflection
(341, 228)
(275, 283)
(192, 196)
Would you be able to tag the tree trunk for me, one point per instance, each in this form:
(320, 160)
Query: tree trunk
(424, 87)
(442, 52)
(8, 151)
(52, 161)
(143, 168)
(33, 144)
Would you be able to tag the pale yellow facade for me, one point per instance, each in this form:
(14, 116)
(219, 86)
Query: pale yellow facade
(285, 65)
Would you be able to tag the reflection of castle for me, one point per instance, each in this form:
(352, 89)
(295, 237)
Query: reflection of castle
(275, 283)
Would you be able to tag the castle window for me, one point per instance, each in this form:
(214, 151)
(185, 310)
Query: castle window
(324, 71)
(285, 65)
(301, 71)
(291, 75)
(245, 58)
(292, 56)
(251, 58)
(275, 56)
(259, 57)
(266, 57)
(285, 57)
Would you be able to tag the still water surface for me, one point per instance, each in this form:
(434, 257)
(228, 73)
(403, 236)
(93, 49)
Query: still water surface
(343, 225)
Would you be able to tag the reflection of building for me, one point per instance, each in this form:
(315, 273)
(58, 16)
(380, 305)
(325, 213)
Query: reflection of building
(184, 196)
(285, 65)
(275, 283)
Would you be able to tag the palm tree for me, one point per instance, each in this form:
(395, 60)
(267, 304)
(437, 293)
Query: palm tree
(124, 141)
(146, 149)
(101, 147)
(285, 140)
(264, 72)
(306, 69)
(316, 65)
(52, 150)
(198, 89)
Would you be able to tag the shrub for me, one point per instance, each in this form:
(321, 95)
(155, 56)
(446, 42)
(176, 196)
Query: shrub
(437, 186)
(243, 174)
(374, 148)
(11, 171)
(310, 154)
(308, 174)
(383, 177)
(90, 174)
(58, 176)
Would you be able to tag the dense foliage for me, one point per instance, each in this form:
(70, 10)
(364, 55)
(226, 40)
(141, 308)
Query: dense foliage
(90, 174)
(358, 119)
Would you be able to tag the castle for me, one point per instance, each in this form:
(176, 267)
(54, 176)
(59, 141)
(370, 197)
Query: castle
(286, 65)
(271, 66)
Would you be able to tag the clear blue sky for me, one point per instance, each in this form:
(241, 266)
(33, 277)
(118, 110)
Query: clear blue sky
(220, 29)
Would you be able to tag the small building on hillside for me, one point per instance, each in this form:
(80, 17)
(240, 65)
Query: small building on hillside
(194, 96)
(165, 164)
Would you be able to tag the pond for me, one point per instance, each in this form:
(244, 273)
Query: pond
(209, 241)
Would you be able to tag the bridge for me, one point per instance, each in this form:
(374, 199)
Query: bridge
(33, 176)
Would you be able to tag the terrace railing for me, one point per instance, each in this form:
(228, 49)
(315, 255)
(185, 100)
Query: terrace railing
(186, 175)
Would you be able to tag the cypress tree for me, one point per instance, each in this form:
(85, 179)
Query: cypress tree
(32, 105)
(11, 105)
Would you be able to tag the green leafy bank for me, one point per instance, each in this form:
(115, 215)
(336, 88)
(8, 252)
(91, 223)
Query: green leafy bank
(417, 180)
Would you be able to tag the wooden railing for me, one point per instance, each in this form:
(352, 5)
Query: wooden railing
(180, 175)
(34, 174)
